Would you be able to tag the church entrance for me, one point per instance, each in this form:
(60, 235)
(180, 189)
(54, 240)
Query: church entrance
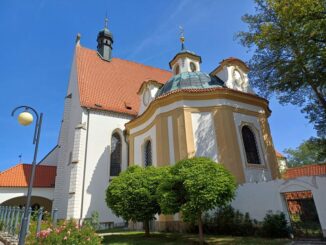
(303, 214)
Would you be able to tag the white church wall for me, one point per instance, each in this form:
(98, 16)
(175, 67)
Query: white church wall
(75, 167)
(139, 146)
(10, 193)
(72, 144)
(260, 172)
(97, 173)
(51, 159)
(259, 198)
(72, 116)
(223, 75)
(204, 135)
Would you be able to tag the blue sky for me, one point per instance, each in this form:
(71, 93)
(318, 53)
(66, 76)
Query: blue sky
(36, 48)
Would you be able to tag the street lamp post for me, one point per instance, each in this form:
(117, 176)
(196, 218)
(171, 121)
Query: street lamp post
(25, 118)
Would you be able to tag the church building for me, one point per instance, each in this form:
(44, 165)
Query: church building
(118, 113)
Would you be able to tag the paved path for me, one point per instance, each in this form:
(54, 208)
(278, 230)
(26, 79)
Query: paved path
(308, 243)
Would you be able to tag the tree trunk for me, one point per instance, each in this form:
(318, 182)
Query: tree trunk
(320, 97)
(200, 228)
(146, 227)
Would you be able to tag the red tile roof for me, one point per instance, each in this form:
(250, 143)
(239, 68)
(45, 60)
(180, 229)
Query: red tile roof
(18, 176)
(111, 85)
(307, 170)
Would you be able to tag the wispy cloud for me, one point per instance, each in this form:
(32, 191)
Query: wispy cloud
(186, 13)
(164, 27)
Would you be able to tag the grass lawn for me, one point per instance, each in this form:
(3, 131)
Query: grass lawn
(138, 238)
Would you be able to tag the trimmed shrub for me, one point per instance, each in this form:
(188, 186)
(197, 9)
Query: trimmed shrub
(228, 221)
(274, 226)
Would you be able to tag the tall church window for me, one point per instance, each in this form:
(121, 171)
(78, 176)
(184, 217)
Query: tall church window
(148, 153)
(250, 145)
(116, 150)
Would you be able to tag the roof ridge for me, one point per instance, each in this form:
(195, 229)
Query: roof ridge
(131, 61)
(26, 164)
(55, 147)
(138, 63)
(10, 168)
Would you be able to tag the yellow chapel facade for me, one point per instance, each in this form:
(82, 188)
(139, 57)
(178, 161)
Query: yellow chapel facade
(215, 115)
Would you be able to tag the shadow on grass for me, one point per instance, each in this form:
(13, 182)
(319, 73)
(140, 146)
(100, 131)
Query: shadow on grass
(139, 238)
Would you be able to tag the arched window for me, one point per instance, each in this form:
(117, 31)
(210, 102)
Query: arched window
(115, 167)
(148, 153)
(250, 145)
(177, 69)
(193, 67)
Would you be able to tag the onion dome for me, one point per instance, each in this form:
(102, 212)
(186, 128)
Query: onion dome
(190, 80)
(104, 42)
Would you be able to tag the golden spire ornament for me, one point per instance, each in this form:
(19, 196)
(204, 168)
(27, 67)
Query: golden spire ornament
(182, 37)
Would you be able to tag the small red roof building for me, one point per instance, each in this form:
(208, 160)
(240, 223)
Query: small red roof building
(19, 175)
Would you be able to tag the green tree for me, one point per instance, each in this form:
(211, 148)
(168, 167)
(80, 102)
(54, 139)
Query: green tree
(132, 195)
(310, 151)
(289, 37)
(194, 186)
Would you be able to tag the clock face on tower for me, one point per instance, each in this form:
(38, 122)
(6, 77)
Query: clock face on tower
(146, 97)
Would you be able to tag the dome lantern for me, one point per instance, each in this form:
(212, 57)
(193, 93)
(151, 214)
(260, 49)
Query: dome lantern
(185, 60)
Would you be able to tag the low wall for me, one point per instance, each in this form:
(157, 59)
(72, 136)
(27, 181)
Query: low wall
(259, 198)
(17, 197)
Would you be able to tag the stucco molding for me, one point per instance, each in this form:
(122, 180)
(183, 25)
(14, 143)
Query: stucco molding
(253, 102)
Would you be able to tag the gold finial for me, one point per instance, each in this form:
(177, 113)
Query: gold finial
(182, 37)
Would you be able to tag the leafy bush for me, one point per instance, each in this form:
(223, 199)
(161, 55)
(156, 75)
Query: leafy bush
(274, 225)
(94, 221)
(132, 194)
(67, 233)
(1, 225)
(228, 221)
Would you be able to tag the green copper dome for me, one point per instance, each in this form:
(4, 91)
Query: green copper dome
(190, 80)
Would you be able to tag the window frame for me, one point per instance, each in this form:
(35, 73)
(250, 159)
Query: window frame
(116, 164)
(194, 66)
(257, 146)
(177, 69)
(147, 143)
